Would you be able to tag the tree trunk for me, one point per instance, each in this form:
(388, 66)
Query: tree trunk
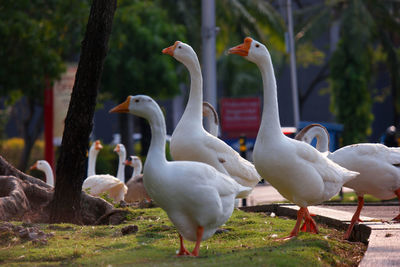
(23, 197)
(70, 172)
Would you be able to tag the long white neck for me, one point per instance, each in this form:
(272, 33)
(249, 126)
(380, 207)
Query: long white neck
(322, 138)
(137, 168)
(121, 166)
(156, 153)
(213, 128)
(46, 168)
(92, 161)
(193, 110)
(270, 127)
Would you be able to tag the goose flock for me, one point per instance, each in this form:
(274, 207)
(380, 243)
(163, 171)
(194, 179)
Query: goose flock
(198, 189)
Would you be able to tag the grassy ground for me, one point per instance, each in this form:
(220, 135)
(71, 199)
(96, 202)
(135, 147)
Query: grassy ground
(352, 197)
(249, 240)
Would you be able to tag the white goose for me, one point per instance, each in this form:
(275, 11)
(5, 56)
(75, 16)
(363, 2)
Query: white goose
(378, 165)
(189, 135)
(104, 183)
(211, 118)
(197, 198)
(93, 152)
(297, 170)
(45, 167)
(136, 190)
(121, 151)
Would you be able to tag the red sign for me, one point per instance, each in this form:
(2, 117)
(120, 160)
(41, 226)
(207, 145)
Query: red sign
(241, 114)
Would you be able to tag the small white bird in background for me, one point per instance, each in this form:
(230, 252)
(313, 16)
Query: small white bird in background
(93, 152)
(98, 184)
(197, 198)
(378, 165)
(121, 151)
(136, 190)
(45, 167)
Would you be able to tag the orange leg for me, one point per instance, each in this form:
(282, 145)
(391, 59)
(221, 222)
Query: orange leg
(397, 218)
(200, 231)
(356, 217)
(300, 215)
(309, 224)
(182, 251)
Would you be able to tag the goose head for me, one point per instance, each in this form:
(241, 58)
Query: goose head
(133, 161)
(139, 105)
(308, 133)
(97, 145)
(182, 52)
(40, 165)
(119, 149)
(251, 50)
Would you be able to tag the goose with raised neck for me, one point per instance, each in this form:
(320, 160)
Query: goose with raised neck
(121, 151)
(211, 118)
(377, 164)
(298, 171)
(189, 135)
(197, 198)
(45, 167)
(317, 131)
(99, 184)
(136, 190)
(93, 152)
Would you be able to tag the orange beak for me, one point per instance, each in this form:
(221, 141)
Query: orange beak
(127, 162)
(242, 49)
(98, 145)
(34, 166)
(122, 108)
(117, 149)
(170, 50)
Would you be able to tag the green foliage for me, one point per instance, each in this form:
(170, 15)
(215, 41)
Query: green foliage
(235, 20)
(350, 68)
(248, 241)
(35, 37)
(135, 64)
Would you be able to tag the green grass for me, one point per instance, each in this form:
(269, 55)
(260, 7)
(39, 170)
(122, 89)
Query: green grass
(250, 240)
(352, 197)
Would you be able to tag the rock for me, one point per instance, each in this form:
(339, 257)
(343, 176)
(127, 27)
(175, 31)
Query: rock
(130, 229)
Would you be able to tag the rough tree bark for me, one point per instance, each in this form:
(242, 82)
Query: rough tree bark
(70, 172)
(26, 198)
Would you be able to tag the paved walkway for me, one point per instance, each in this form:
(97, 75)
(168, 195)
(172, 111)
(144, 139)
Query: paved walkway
(383, 237)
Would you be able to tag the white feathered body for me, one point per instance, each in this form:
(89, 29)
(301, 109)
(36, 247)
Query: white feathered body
(193, 194)
(379, 168)
(298, 171)
(189, 143)
(104, 183)
(136, 190)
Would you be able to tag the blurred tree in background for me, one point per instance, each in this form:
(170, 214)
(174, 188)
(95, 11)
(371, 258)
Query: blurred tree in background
(235, 20)
(135, 64)
(368, 44)
(350, 76)
(36, 38)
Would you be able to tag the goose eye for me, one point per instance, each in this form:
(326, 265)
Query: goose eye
(257, 45)
(136, 100)
(179, 47)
